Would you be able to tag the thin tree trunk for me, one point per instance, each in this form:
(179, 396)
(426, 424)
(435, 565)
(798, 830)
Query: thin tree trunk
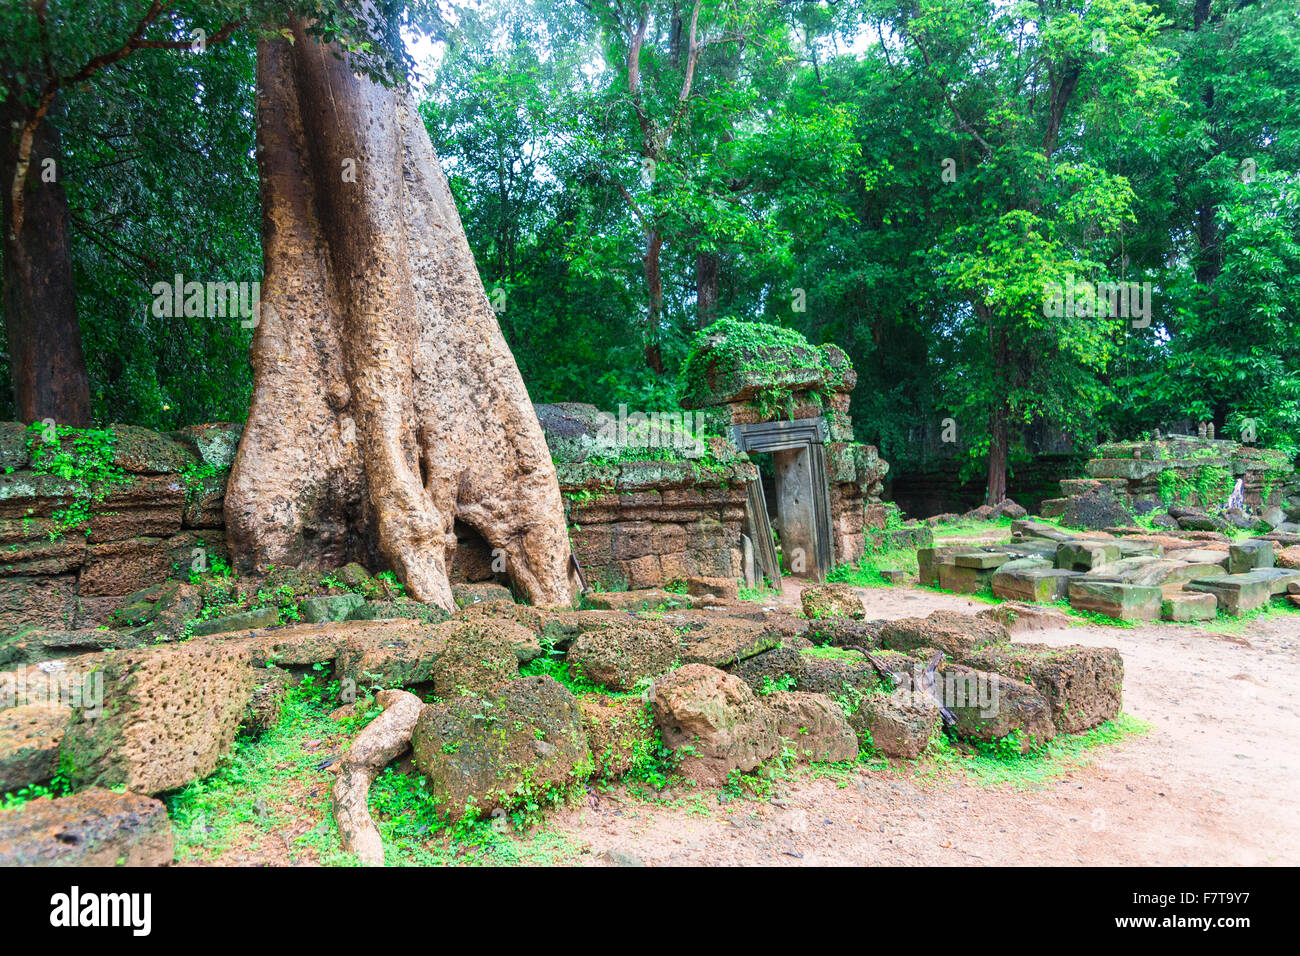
(386, 402)
(47, 367)
(655, 290)
(707, 269)
(998, 417)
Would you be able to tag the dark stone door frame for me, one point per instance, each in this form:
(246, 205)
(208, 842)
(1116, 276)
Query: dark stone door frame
(799, 435)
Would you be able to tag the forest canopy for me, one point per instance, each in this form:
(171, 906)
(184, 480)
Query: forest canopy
(910, 181)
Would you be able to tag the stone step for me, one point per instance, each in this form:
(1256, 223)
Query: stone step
(1127, 602)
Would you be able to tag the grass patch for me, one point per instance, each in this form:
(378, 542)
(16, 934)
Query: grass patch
(865, 572)
(272, 798)
(1234, 626)
(1064, 753)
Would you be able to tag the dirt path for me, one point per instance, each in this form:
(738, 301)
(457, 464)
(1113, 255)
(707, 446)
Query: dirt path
(1215, 782)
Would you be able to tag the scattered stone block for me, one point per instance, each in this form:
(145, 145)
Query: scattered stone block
(830, 600)
(894, 576)
(729, 641)
(168, 716)
(1237, 594)
(774, 668)
(725, 589)
(480, 753)
(1086, 555)
(1249, 556)
(962, 580)
(714, 722)
(465, 594)
(29, 744)
(813, 726)
(953, 633)
(1126, 602)
(95, 827)
(243, 621)
(1186, 606)
(1034, 585)
(1020, 618)
(980, 560)
(619, 733)
(1083, 686)
(649, 599)
(332, 607)
(621, 655)
(928, 561)
(899, 724)
(989, 707)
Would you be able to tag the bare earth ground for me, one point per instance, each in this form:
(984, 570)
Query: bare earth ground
(1215, 782)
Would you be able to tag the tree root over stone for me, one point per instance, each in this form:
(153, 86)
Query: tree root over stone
(381, 742)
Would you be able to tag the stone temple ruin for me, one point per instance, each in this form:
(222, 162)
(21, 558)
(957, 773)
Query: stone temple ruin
(1180, 529)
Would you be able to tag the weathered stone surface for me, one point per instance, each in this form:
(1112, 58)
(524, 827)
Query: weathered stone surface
(144, 452)
(726, 589)
(384, 610)
(813, 726)
(1020, 618)
(95, 827)
(331, 607)
(989, 707)
(47, 601)
(29, 744)
(961, 580)
(1184, 606)
(954, 633)
(1163, 571)
(1237, 594)
(393, 661)
(622, 655)
(830, 600)
(1096, 510)
(898, 724)
(476, 659)
(643, 600)
(1083, 686)
(928, 561)
(1033, 585)
(620, 732)
(725, 642)
(1086, 555)
(844, 632)
(777, 667)
(980, 560)
(466, 594)
(169, 715)
(1289, 558)
(242, 621)
(837, 672)
(481, 753)
(270, 691)
(1127, 602)
(713, 721)
(1250, 555)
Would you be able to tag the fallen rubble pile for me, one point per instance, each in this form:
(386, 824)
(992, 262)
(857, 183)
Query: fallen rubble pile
(511, 702)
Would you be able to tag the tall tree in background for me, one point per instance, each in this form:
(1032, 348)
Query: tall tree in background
(51, 48)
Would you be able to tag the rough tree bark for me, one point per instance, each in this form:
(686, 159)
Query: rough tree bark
(386, 402)
(47, 367)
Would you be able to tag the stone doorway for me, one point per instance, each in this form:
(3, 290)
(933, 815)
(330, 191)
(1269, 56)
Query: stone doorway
(801, 495)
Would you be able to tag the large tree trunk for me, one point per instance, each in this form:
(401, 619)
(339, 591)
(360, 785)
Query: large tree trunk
(386, 402)
(46, 364)
(654, 281)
